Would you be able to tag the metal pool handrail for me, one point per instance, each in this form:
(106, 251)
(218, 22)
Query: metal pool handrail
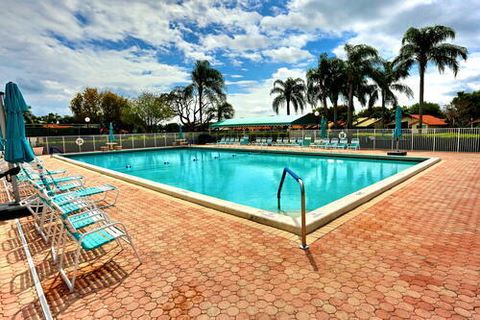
(286, 170)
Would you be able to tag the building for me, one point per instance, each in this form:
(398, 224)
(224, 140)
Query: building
(368, 123)
(306, 121)
(412, 120)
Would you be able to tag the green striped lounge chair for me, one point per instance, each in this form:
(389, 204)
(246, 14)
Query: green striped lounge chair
(354, 144)
(96, 236)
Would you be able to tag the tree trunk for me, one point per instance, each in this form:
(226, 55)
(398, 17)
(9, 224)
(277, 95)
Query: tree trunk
(200, 104)
(350, 106)
(335, 113)
(288, 107)
(384, 114)
(325, 107)
(422, 67)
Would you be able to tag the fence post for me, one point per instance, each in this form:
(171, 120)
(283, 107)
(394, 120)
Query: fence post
(63, 144)
(374, 137)
(120, 139)
(412, 138)
(93, 140)
(165, 139)
(144, 138)
(434, 138)
(458, 139)
(46, 143)
(133, 141)
(155, 139)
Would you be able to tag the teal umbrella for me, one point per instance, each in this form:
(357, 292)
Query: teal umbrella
(17, 147)
(397, 133)
(323, 128)
(180, 132)
(111, 137)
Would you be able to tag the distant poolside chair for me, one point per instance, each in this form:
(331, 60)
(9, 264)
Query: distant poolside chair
(222, 140)
(322, 143)
(342, 144)
(269, 141)
(306, 142)
(261, 141)
(333, 144)
(354, 144)
(245, 140)
(299, 142)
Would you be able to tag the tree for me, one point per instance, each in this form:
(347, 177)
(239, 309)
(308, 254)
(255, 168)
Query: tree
(466, 106)
(87, 104)
(101, 107)
(335, 85)
(387, 77)
(424, 45)
(148, 110)
(184, 102)
(289, 91)
(430, 108)
(221, 111)
(112, 106)
(358, 65)
(317, 82)
(209, 84)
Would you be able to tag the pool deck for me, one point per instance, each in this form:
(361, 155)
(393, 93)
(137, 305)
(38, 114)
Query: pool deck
(412, 252)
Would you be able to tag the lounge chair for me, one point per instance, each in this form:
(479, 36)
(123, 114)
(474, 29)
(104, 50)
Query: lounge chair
(307, 141)
(322, 143)
(222, 140)
(333, 144)
(342, 144)
(269, 142)
(354, 144)
(244, 140)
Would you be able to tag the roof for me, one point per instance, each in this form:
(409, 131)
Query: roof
(367, 123)
(360, 120)
(430, 120)
(268, 121)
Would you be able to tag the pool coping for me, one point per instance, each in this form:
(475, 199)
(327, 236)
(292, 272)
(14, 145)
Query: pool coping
(314, 219)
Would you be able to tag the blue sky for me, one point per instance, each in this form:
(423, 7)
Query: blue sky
(53, 49)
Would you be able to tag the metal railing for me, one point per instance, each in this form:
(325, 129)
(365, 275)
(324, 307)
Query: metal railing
(429, 139)
(68, 144)
(286, 170)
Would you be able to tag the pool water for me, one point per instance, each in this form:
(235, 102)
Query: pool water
(251, 178)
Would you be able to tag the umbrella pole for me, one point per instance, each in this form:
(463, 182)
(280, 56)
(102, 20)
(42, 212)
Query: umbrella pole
(14, 182)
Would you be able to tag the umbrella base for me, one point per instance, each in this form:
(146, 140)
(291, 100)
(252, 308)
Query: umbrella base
(397, 153)
(10, 211)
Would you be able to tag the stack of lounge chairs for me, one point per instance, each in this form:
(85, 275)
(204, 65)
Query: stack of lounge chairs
(336, 143)
(66, 212)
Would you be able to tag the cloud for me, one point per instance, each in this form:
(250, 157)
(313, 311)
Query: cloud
(256, 100)
(288, 54)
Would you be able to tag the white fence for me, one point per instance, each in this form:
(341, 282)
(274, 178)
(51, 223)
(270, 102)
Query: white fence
(453, 140)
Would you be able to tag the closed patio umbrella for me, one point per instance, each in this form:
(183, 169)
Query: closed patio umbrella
(111, 137)
(17, 148)
(397, 132)
(323, 128)
(180, 132)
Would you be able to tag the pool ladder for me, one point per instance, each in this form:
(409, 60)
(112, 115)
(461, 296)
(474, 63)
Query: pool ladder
(286, 170)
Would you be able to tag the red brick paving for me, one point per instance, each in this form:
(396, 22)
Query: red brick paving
(413, 254)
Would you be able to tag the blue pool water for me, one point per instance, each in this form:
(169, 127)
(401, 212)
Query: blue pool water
(251, 178)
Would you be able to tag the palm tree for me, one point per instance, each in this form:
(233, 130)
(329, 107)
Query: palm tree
(358, 65)
(335, 85)
(316, 82)
(387, 78)
(420, 46)
(208, 82)
(222, 110)
(289, 91)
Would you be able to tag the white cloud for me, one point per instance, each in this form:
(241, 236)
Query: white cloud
(256, 99)
(288, 54)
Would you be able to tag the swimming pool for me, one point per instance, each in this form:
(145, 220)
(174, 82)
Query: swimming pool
(251, 178)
